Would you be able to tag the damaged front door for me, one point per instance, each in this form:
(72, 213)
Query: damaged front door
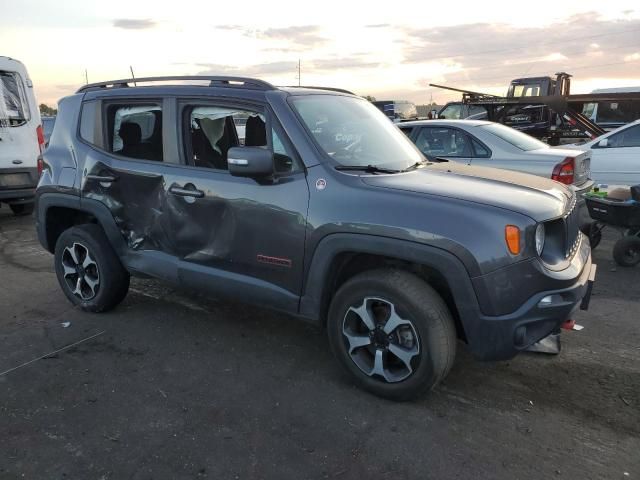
(233, 232)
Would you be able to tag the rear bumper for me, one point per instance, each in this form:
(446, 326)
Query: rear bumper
(18, 195)
(502, 337)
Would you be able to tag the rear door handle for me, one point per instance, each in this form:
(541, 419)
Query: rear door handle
(102, 178)
(186, 192)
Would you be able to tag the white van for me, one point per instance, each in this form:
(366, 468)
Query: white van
(21, 137)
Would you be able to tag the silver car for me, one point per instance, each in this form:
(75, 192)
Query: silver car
(479, 142)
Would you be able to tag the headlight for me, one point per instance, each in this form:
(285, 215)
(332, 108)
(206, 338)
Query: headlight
(539, 238)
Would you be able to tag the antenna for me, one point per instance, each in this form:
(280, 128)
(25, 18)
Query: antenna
(133, 76)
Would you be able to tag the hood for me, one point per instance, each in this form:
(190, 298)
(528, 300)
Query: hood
(536, 197)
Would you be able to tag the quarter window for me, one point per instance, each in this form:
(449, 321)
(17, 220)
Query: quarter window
(135, 131)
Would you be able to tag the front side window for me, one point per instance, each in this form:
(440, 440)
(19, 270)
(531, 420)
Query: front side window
(14, 108)
(353, 132)
(213, 130)
(451, 112)
(444, 142)
(629, 137)
(135, 131)
(518, 139)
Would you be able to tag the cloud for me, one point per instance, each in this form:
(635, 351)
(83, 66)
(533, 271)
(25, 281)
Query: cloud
(271, 68)
(342, 63)
(299, 35)
(493, 54)
(378, 25)
(134, 23)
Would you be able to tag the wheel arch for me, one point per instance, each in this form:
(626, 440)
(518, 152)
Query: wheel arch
(340, 256)
(57, 212)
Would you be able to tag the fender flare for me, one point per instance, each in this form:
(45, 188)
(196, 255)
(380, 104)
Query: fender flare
(99, 210)
(444, 262)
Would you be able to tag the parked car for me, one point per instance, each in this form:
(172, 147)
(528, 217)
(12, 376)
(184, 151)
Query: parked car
(615, 156)
(47, 128)
(327, 212)
(21, 137)
(397, 110)
(478, 142)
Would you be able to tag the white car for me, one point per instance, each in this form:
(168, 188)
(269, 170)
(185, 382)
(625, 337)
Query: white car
(488, 144)
(21, 137)
(615, 156)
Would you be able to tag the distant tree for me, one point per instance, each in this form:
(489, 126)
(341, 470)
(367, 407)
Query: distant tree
(47, 111)
(370, 98)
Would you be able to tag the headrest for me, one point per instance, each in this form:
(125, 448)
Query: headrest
(255, 133)
(130, 133)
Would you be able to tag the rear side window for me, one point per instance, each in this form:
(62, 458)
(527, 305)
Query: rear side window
(14, 107)
(442, 141)
(135, 131)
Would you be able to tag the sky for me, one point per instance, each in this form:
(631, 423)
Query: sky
(390, 50)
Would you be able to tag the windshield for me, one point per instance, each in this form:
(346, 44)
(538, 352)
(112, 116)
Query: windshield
(354, 132)
(514, 137)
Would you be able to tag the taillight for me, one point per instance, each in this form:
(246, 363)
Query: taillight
(40, 134)
(563, 172)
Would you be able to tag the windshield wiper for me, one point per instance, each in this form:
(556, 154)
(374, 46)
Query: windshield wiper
(416, 165)
(367, 168)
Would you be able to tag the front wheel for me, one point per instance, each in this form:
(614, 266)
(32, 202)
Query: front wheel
(392, 332)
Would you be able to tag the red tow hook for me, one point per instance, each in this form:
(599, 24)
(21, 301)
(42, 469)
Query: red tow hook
(568, 324)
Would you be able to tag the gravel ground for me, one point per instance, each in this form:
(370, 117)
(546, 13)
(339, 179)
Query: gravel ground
(171, 385)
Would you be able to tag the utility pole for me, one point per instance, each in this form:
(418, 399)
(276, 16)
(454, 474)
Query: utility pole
(298, 72)
(86, 77)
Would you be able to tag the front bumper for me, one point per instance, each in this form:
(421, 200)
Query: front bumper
(500, 337)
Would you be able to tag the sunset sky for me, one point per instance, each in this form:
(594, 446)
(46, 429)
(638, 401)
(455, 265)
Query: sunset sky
(385, 49)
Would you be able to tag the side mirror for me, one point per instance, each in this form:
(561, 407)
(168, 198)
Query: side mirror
(603, 143)
(254, 162)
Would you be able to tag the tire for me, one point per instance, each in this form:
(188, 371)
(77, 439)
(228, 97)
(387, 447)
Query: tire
(426, 324)
(594, 232)
(22, 209)
(626, 251)
(104, 282)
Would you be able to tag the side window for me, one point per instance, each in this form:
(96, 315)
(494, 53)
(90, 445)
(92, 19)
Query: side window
(211, 131)
(135, 131)
(443, 142)
(629, 137)
(479, 150)
(88, 122)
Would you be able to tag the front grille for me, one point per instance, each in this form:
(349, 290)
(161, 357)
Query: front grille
(572, 229)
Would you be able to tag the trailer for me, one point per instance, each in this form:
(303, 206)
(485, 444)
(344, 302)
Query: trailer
(540, 106)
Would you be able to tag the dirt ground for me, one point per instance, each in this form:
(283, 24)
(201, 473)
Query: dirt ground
(172, 386)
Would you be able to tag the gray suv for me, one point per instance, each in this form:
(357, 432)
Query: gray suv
(323, 209)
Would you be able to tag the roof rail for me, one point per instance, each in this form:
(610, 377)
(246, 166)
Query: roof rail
(331, 89)
(214, 81)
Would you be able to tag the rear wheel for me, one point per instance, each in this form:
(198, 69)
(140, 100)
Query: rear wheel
(392, 332)
(626, 251)
(20, 209)
(88, 269)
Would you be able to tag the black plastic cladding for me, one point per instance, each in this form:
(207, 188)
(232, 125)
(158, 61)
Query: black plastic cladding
(447, 218)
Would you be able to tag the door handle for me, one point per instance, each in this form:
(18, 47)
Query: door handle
(102, 178)
(186, 192)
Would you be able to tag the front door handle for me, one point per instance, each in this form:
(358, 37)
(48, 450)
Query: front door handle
(186, 192)
(102, 178)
